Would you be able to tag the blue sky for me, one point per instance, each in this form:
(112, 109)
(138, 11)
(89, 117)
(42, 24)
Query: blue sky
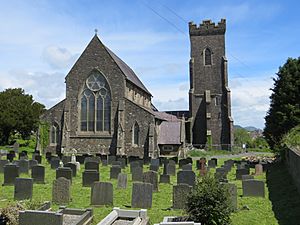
(41, 40)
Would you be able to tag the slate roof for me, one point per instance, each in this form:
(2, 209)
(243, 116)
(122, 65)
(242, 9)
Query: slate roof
(165, 116)
(169, 133)
(128, 72)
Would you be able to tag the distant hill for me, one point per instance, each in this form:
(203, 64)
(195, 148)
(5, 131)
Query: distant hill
(248, 128)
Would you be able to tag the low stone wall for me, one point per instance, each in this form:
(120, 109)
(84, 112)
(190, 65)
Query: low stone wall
(293, 165)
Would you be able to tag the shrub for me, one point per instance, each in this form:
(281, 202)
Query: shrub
(209, 202)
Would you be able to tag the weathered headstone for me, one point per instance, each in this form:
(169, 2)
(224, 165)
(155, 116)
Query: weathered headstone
(23, 188)
(180, 193)
(49, 156)
(111, 158)
(171, 168)
(258, 169)
(3, 162)
(23, 166)
(202, 170)
(186, 177)
(233, 194)
(123, 162)
(10, 156)
(16, 146)
(154, 167)
(216, 160)
(38, 174)
(65, 159)
(221, 174)
(164, 178)
(211, 163)
(141, 195)
(64, 172)
(137, 173)
(32, 162)
(155, 162)
(54, 162)
(91, 166)
(122, 181)
(61, 191)
(255, 188)
(187, 167)
(240, 172)
(104, 162)
(34, 217)
(114, 172)
(11, 172)
(73, 167)
(247, 177)
(92, 159)
(116, 163)
(152, 178)
(183, 162)
(89, 177)
(37, 157)
(102, 193)
(134, 164)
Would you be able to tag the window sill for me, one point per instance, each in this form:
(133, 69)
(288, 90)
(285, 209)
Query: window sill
(92, 135)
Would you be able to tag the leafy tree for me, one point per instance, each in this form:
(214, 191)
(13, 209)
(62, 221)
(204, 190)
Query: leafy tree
(19, 113)
(209, 202)
(284, 111)
(241, 136)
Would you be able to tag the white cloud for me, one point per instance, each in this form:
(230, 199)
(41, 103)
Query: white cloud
(58, 58)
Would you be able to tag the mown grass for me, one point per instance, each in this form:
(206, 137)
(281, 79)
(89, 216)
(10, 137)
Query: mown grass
(259, 213)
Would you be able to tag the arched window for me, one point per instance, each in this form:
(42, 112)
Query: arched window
(54, 134)
(207, 57)
(95, 107)
(135, 134)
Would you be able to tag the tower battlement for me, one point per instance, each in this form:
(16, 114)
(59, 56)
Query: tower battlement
(207, 27)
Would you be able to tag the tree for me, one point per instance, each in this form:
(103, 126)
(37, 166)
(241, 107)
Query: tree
(284, 111)
(241, 136)
(19, 113)
(209, 202)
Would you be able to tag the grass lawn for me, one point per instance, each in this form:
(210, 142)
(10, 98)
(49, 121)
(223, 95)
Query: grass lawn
(260, 209)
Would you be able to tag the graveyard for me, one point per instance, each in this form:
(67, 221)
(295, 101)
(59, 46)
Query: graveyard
(253, 204)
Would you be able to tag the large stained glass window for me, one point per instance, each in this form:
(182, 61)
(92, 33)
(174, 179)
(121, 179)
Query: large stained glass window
(95, 107)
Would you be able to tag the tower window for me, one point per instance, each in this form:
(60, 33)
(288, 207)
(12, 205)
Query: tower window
(207, 57)
(135, 134)
(95, 104)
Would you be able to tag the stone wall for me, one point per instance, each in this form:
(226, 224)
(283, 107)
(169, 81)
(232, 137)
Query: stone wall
(293, 165)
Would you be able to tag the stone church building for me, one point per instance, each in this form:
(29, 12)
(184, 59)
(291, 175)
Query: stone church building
(108, 110)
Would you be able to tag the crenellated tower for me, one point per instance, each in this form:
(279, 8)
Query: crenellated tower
(209, 95)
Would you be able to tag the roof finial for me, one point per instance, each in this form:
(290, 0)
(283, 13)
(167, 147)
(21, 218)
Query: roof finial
(96, 31)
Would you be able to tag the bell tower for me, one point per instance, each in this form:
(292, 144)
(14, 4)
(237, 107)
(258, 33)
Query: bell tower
(209, 94)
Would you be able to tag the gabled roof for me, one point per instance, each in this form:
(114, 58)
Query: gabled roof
(128, 72)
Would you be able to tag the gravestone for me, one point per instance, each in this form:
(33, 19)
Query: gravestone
(186, 177)
(240, 172)
(73, 167)
(111, 158)
(137, 173)
(23, 155)
(92, 159)
(216, 161)
(80, 159)
(122, 181)
(187, 167)
(255, 188)
(32, 162)
(221, 174)
(202, 170)
(114, 172)
(65, 159)
(23, 166)
(54, 162)
(3, 162)
(164, 178)
(211, 163)
(102, 193)
(104, 162)
(258, 169)
(183, 162)
(171, 168)
(232, 188)
(38, 174)
(61, 191)
(141, 195)
(180, 193)
(49, 156)
(11, 172)
(154, 168)
(155, 162)
(10, 156)
(34, 217)
(89, 177)
(91, 166)
(37, 157)
(152, 178)
(123, 162)
(16, 147)
(247, 177)
(23, 188)
(64, 172)
(116, 163)
(134, 164)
